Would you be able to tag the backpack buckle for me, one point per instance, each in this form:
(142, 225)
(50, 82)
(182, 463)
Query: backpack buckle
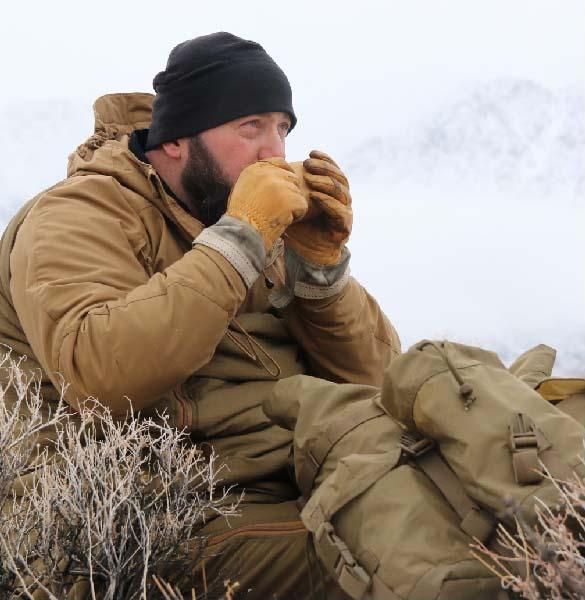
(524, 447)
(338, 559)
(522, 433)
(414, 445)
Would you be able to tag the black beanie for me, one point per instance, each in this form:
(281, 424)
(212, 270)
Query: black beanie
(211, 80)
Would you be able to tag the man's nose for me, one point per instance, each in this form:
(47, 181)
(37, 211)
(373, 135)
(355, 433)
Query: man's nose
(272, 145)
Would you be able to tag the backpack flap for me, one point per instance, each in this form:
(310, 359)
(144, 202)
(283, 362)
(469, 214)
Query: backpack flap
(385, 532)
(494, 431)
(363, 471)
(328, 416)
(534, 365)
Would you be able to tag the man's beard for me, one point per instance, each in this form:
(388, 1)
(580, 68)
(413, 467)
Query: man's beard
(205, 184)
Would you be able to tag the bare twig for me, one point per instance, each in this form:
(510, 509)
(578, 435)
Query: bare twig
(552, 551)
(115, 503)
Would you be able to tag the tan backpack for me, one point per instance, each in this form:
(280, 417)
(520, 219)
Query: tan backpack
(566, 393)
(399, 481)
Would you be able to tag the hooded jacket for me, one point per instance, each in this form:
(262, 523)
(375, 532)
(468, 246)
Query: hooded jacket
(102, 289)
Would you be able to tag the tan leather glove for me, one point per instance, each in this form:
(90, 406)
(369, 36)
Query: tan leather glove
(321, 235)
(267, 195)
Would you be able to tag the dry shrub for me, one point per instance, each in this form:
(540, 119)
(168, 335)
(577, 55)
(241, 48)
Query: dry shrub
(107, 505)
(545, 561)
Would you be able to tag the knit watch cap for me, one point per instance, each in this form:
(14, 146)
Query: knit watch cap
(211, 80)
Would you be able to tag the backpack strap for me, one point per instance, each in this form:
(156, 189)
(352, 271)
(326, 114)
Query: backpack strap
(317, 452)
(531, 451)
(524, 449)
(357, 579)
(338, 560)
(475, 522)
(349, 574)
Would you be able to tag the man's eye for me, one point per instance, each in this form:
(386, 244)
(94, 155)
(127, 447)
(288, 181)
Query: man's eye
(285, 128)
(255, 123)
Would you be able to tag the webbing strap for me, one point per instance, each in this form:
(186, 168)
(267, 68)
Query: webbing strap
(318, 450)
(380, 591)
(524, 447)
(339, 561)
(530, 450)
(474, 521)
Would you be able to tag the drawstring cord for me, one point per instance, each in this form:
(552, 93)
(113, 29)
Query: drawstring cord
(465, 389)
(250, 350)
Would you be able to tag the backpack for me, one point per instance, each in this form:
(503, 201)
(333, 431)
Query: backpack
(534, 367)
(398, 482)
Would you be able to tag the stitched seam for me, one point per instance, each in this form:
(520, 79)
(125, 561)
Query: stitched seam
(385, 342)
(236, 259)
(260, 530)
(310, 291)
(231, 253)
(417, 390)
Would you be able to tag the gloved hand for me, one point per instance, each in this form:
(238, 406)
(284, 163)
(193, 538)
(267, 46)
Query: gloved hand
(267, 195)
(321, 235)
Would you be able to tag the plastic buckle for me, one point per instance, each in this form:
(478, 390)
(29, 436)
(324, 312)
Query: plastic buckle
(415, 445)
(337, 557)
(524, 445)
(522, 435)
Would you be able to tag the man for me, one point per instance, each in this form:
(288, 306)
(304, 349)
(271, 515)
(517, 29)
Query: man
(184, 266)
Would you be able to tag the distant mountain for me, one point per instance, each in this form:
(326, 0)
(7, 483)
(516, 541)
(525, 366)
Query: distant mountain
(503, 134)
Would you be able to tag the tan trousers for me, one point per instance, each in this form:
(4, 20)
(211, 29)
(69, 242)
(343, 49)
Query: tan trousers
(268, 552)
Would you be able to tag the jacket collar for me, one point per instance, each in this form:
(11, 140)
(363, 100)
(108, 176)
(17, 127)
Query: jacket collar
(107, 152)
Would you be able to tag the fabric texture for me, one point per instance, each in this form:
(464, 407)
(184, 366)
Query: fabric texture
(351, 467)
(521, 433)
(211, 80)
(268, 551)
(239, 243)
(310, 281)
(101, 287)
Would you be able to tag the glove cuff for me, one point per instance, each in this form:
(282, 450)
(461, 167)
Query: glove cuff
(310, 281)
(239, 243)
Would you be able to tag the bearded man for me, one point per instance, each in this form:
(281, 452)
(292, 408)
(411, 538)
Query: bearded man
(184, 266)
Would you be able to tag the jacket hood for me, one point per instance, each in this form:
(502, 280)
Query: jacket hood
(106, 152)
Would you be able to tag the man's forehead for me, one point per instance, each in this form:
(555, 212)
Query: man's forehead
(276, 116)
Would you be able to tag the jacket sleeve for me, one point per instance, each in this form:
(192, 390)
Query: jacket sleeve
(346, 338)
(94, 314)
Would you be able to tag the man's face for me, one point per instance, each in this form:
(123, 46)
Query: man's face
(217, 157)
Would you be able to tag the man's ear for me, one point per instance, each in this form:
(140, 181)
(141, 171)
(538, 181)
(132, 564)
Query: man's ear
(173, 149)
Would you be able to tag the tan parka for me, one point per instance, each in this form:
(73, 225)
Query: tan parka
(100, 286)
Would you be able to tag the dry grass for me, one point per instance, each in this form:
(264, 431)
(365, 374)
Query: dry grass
(106, 506)
(546, 561)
